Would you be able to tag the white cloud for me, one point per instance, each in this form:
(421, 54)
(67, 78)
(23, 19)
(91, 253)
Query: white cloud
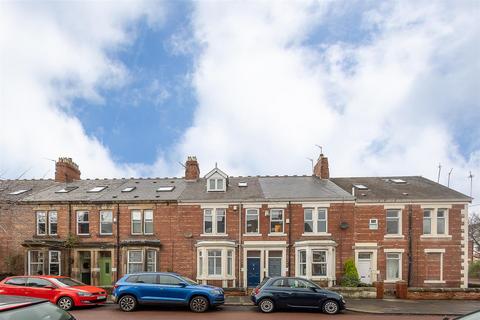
(382, 106)
(50, 54)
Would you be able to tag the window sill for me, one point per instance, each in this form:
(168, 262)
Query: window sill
(436, 236)
(84, 235)
(392, 281)
(216, 278)
(277, 234)
(394, 236)
(434, 281)
(214, 235)
(312, 234)
(142, 234)
(252, 234)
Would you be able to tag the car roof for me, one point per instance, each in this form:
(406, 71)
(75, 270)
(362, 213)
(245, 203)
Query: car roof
(38, 277)
(11, 302)
(143, 273)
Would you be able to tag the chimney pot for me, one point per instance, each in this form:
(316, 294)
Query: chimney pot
(66, 170)
(192, 170)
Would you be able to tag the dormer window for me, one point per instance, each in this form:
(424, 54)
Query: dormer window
(216, 184)
(216, 180)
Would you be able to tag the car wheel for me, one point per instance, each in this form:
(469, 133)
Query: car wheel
(65, 303)
(330, 307)
(266, 305)
(127, 303)
(199, 304)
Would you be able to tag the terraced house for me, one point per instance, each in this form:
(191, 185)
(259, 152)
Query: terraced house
(234, 231)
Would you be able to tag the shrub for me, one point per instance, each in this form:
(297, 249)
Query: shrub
(350, 274)
(474, 269)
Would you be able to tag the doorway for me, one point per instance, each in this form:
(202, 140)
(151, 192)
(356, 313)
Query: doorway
(85, 264)
(253, 268)
(365, 267)
(105, 266)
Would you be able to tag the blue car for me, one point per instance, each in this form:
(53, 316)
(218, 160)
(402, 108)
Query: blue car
(165, 288)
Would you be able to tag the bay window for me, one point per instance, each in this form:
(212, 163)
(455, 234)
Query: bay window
(229, 262)
(135, 261)
(214, 262)
(302, 262)
(315, 260)
(319, 263)
(35, 262)
(151, 261)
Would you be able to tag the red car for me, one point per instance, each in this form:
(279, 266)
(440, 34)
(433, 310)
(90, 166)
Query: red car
(65, 292)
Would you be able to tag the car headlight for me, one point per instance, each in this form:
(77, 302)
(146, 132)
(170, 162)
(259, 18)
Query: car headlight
(84, 294)
(216, 292)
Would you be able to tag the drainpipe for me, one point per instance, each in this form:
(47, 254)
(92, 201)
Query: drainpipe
(410, 245)
(240, 242)
(289, 236)
(118, 242)
(69, 249)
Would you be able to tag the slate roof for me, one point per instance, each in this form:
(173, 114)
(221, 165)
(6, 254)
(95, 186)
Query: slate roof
(383, 189)
(32, 186)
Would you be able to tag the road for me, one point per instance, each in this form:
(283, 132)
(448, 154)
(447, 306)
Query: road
(111, 311)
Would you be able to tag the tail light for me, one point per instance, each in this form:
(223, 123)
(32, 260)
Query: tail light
(115, 286)
(256, 291)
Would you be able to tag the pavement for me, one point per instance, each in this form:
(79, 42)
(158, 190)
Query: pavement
(393, 306)
(111, 311)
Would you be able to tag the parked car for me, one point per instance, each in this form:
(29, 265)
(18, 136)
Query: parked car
(63, 291)
(26, 308)
(165, 288)
(285, 292)
(475, 315)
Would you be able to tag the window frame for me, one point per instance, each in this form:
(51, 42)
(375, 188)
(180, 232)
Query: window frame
(203, 263)
(301, 262)
(215, 265)
(315, 220)
(138, 221)
(59, 263)
(147, 251)
(257, 215)
(277, 220)
(214, 221)
(50, 213)
(149, 220)
(215, 187)
(103, 222)
(319, 263)
(430, 222)
(37, 216)
(142, 262)
(400, 265)
(308, 251)
(434, 211)
(399, 223)
(42, 263)
(83, 222)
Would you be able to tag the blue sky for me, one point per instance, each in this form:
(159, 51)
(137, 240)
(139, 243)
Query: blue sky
(133, 88)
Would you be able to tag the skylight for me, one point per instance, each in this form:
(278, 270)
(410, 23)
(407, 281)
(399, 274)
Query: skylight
(97, 189)
(14, 193)
(360, 186)
(242, 184)
(398, 181)
(129, 189)
(165, 188)
(66, 189)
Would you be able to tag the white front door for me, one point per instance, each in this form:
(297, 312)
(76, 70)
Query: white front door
(364, 267)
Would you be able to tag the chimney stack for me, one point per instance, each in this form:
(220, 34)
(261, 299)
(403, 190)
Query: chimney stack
(66, 170)
(321, 168)
(192, 170)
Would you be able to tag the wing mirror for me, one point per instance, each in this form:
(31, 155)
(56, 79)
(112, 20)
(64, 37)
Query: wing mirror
(314, 289)
(50, 287)
(182, 284)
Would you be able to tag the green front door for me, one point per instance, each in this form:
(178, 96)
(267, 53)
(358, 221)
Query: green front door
(105, 265)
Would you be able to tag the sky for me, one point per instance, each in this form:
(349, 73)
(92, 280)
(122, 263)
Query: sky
(131, 88)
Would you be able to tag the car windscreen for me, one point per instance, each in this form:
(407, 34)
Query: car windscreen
(189, 281)
(44, 310)
(68, 282)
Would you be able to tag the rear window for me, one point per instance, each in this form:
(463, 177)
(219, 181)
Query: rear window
(16, 281)
(261, 284)
(131, 279)
(44, 310)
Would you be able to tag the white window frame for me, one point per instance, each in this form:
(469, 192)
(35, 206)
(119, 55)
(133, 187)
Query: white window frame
(42, 263)
(78, 214)
(142, 263)
(430, 220)
(37, 216)
(320, 263)
(203, 260)
(149, 220)
(440, 251)
(273, 233)
(214, 215)
(373, 224)
(300, 262)
(59, 261)
(315, 220)
(309, 247)
(137, 221)
(400, 262)
(154, 260)
(399, 233)
(107, 222)
(434, 223)
(257, 214)
(50, 213)
(216, 183)
(229, 263)
(215, 265)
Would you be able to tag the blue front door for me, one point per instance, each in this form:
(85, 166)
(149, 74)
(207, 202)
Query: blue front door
(253, 272)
